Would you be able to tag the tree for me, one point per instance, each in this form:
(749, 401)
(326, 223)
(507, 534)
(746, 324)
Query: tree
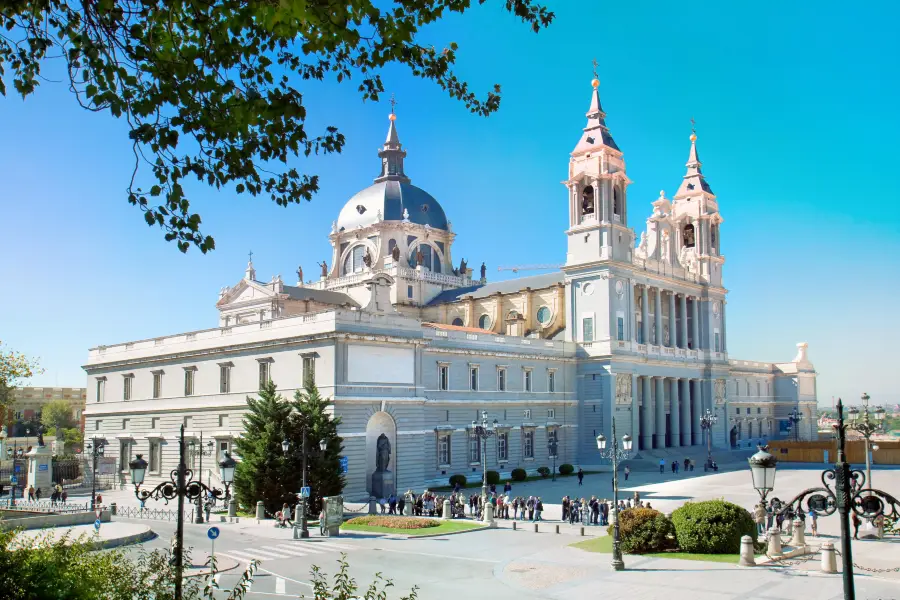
(264, 473)
(210, 89)
(14, 366)
(324, 469)
(56, 414)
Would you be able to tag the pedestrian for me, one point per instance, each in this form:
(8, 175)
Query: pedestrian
(322, 522)
(401, 504)
(662, 465)
(565, 507)
(538, 508)
(759, 515)
(692, 463)
(65, 496)
(31, 493)
(207, 507)
(580, 476)
(627, 472)
(392, 504)
(856, 524)
(530, 505)
(37, 494)
(813, 522)
(687, 463)
(649, 507)
(674, 466)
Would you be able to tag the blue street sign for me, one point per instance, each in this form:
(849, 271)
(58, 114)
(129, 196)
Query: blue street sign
(18, 469)
(97, 525)
(304, 492)
(344, 464)
(212, 533)
(13, 480)
(42, 467)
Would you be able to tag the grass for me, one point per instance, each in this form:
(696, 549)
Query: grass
(604, 544)
(444, 527)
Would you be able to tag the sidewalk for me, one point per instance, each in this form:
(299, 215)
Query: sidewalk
(111, 535)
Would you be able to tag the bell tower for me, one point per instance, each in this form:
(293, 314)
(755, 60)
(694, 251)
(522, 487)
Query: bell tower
(597, 188)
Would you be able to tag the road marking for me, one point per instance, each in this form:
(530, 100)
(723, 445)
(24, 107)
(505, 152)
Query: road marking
(263, 553)
(289, 550)
(334, 545)
(306, 583)
(239, 556)
(485, 560)
(279, 585)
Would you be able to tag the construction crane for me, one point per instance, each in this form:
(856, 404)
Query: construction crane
(517, 268)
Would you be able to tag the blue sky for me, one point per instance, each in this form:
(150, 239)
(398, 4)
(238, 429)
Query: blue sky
(797, 122)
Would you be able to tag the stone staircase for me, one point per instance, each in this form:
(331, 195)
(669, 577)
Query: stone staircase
(648, 460)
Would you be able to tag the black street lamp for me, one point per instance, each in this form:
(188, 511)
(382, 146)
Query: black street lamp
(616, 455)
(97, 447)
(551, 450)
(286, 447)
(14, 455)
(199, 451)
(482, 432)
(180, 486)
(794, 419)
(866, 427)
(707, 421)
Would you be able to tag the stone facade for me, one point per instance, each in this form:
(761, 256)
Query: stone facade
(413, 347)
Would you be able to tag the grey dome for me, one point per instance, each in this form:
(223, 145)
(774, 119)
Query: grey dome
(391, 197)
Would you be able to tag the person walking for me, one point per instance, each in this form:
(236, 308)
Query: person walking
(580, 476)
(401, 504)
(31, 493)
(627, 472)
(538, 509)
(687, 464)
(662, 466)
(759, 515)
(813, 523)
(856, 525)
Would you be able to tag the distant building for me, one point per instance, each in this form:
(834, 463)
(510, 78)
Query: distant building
(27, 403)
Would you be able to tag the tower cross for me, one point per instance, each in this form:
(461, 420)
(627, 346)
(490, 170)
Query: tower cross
(251, 256)
(594, 62)
(693, 125)
(393, 103)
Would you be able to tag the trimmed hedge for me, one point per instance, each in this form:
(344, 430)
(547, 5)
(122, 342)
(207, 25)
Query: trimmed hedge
(544, 471)
(712, 527)
(458, 478)
(493, 477)
(566, 469)
(518, 474)
(644, 530)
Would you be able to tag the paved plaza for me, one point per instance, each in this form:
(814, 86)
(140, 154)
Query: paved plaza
(522, 564)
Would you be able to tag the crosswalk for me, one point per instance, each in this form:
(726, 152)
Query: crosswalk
(263, 585)
(282, 551)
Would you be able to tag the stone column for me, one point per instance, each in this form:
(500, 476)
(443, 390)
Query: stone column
(675, 411)
(647, 421)
(645, 323)
(695, 326)
(660, 410)
(658, 307)
(673, 333)
(635, 414)
(696, 434)
(686, 423)
(724, 343)
(684, 320)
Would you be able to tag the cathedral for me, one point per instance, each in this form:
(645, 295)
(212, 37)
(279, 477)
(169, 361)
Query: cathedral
(412, 346)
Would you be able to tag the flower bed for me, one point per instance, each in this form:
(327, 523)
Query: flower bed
(394, 522)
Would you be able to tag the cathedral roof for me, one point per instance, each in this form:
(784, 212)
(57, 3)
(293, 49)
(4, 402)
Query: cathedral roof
(693, 182)
(510, 286)
(323, 296)
(596, 133)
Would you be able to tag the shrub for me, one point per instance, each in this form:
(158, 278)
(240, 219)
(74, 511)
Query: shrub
(493, 477)
(643, 530)
(712, 527)
(458, 478)
(394, 522)
(544, 471)
(566, 469)
(518, 474)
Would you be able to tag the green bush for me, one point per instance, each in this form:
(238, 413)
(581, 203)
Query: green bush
(566, 469)
(493, 477)
(458, 478)
(643, 530)
(518, 474)
(712, 527)
(544, 471)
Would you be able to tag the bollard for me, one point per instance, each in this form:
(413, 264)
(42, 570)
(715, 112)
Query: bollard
(582, 532)
(446, 514)
(748, 558)
(774, 542)
(798, 540)
(535, 528)
(557, 529)
(112, 508)
(514, 525)
(829, 560)
(232, 507)
(372, 510)
(260, 511)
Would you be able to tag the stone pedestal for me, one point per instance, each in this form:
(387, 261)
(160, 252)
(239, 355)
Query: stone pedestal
(260, 510)
(798, 540)
(382, 484)
(40, 473)
(774, 542)
(373, 508)
(408, 507)
(829, 560)
(446, 513)
(748, 558)
(232, 507)
(489, 515)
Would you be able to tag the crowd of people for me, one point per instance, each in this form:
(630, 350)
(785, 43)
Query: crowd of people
(58, 494)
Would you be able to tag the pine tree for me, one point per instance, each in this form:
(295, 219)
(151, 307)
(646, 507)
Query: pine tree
(324, 475)
(264, 472)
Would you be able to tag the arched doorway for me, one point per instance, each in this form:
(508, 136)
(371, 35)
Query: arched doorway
(381, 423)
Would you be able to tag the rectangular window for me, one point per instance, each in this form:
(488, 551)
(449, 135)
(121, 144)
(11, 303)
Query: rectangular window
(620, 328)
(587, 329)
(157, 384)
(748, 410)
(444, 449)
(224, 379)
(154, 457)
(503, 446)
(125, 423)
(526, 413)
(551, 413)
(264, 373)
(224, 446)
(98, 424)
(189, 382)
(501, 380)
(124, 455)
(528, 443)
(758, 410)
(447, 415)
(444, 377)
(716, 345)
(551, 381)
(528, 380)
(309, 369)
(737, 410)
(101, 388)
(758, 389)
(154, 423)
(473, 378)
(409, 291)
(126, 391)
(474, 448)
(223, 420)
(188, 421)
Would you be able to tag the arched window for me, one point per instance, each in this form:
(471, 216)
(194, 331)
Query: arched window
(689, 236)
(587, 200)
(391, 245)
(484, 322)
(353, 263)
(458, 322)
(713, 236)
(431, 260)
(617, 204)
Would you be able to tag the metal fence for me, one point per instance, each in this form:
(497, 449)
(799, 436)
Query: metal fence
(68, 473)
(155, 514)
(48, 507)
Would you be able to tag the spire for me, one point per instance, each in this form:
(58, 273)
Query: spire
(250, 273)
(392, 153)
(596, 133)
(694, 182)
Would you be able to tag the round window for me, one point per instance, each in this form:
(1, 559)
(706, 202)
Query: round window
(544, 315)
(484, 322)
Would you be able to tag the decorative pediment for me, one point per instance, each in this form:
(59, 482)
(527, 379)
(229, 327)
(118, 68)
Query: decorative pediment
(244, 292)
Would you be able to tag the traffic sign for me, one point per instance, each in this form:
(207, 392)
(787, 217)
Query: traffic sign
(304, 492)
(97, 525)
(344, 464)
(13, 480)
(212, 533)
(43, 467)
(18, 468)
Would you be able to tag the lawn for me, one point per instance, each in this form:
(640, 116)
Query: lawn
(604, 545)
(444, 527)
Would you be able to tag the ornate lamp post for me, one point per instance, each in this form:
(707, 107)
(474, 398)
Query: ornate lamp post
(286, 447)
(866, 427)
(794, 418)
(707, 421)
(762, 469)
(180, 486)
(482, 431)
(13, 454)
(199, 451)
(97, 447)
(551, 450)
(616, 455)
